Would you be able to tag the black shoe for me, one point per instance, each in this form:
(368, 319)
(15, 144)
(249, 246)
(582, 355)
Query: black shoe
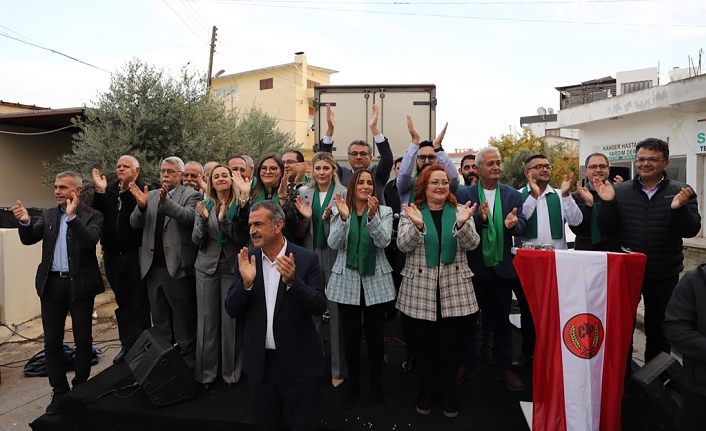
(54, 406)
(326, 317)
(408, 365)
(448, 402)
(353, 392)
(524, 361)
(424, 403)
(120, 357)
(376, 397)
(486, 352)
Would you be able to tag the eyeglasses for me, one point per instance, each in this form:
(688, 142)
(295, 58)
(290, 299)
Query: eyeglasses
(289, 162)
(592, 167)
(422, 158)
(442, 183)
(652, 160)
(359, 153)
(541, 167)
(269, 168)
(168, 171)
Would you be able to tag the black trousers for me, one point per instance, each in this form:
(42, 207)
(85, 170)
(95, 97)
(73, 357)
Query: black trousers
(692, 412)
(374, 324)
(133, 313)
(437, 352)
(56, 304)
(655, 295)
(275, 395)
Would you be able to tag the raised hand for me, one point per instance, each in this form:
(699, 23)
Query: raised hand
(681, 198)
(372, 206)
(222, 211)
(511, 219)
(20, 213)
(247, 268)
(201, 209)
(288, 269)
(618, 179)
(465, 213)
(304, 208)
(414, 214)
(330, 120)
(604, 189)
(71, 205)
(99, 180)
(242, 185)
(534, 188)
(484, 210)
(412, 131)
(203, 186)
(374, 121)
(566, 182)
(585, 193)
(440, 137)
(141, 197)
(163, 194)
(283, 187)
(342, 206)
(327, 213)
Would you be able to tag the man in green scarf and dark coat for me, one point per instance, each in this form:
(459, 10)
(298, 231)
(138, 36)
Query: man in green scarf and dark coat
(498, 219)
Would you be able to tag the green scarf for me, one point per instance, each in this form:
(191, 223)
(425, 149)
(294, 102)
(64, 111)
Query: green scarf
(261, 195)
(317, 212)
(432, 248)
(555, 222)
(595, 233)
(361, 249)
(222, 237)
(413, 189)
(493, 239)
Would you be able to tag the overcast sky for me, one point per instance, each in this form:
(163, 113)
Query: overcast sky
(492, 61)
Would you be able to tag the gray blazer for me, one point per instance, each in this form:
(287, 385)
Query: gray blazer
(208, 230)
(307, 195)
(179, 249)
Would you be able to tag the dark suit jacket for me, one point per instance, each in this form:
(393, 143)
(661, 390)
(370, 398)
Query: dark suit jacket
(509, 199)
(179, 250)
(298, 347)
(82, 235)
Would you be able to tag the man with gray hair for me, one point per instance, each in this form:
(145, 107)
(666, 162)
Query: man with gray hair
(68, 278)
(121, 251)
(192, 175)
(277, 287)
(167, 255)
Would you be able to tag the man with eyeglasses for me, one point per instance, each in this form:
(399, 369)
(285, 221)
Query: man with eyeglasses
(547, 211)
(294, 169)
(588, 236)
(651, 214)
(167, 255)
(360, 153)
(422, 154)
(121, 246)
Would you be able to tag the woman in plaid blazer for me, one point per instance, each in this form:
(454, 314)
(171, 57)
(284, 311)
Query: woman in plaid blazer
(436, 290)
(361, 278)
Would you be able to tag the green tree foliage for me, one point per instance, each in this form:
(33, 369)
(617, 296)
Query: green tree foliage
(516, 147)
(150, 115)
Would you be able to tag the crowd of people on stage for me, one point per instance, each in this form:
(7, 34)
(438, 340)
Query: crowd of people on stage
(285, 250)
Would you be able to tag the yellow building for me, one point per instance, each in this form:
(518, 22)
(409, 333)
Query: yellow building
(286, 92)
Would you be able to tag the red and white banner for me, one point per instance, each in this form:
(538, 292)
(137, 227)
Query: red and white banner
(583, 305)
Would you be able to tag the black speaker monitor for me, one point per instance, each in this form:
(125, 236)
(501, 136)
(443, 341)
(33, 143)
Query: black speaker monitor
(160, 370)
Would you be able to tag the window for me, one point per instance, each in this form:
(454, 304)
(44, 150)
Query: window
(629, 87)
(311, 84)
(552, 132)
(226, 91)
(266, 84)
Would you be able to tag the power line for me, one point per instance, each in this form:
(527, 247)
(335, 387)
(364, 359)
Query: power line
(36, 133)
(55, 52)
(182, 20)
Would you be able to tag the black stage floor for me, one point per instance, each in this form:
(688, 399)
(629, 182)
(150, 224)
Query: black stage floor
(484, 404)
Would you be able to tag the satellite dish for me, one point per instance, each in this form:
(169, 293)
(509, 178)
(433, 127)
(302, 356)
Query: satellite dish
(550, 111)
(541, 111)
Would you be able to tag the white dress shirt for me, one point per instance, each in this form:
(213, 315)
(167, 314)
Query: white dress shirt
(570, 213)
(271, 278)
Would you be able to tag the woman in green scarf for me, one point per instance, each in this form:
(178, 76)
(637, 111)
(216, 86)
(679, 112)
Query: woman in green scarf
(220, 231)
(314, 206)
(436, 290)
(361, 278)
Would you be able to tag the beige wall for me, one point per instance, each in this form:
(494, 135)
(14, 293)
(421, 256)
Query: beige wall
(21, 165)
(18, 265)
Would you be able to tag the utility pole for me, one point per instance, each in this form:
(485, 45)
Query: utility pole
(210, 57)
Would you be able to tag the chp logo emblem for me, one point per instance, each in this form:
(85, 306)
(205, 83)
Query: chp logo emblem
(583, 335)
